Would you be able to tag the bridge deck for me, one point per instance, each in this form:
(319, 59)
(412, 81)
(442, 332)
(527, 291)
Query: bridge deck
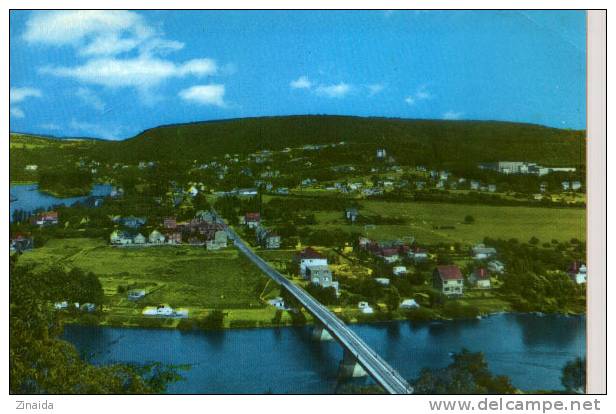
(372, 363)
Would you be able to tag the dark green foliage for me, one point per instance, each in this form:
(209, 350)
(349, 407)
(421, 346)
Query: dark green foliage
(40, 363)
(420, 314)
(66, 182)
(467, 374)
(469, 219)
(327, 296)
(392, 299)
(214, 320)
(457, 145)
(410, 140)
(457, 310)
(574, 376)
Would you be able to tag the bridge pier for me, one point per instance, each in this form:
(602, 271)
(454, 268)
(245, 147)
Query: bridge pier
(320, 333)
(349, 367)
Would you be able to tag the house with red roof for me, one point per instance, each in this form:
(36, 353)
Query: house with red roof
(418, 254)
(47, 218)
(480, 278)
(308, 258)
(21, 242)
(170, 223)
(448, 279)
(252, 220)
(390, 254)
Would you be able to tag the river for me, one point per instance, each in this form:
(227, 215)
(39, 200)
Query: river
(530, 349)
(27, 197)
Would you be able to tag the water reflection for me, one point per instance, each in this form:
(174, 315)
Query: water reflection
(531, 350)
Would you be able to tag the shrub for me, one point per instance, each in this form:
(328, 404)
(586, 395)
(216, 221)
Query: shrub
(458, 310)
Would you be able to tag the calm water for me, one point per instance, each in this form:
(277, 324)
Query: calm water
(29, 198)
(530, 349)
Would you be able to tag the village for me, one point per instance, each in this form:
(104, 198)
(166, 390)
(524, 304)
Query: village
(360, 271)
(402, 270)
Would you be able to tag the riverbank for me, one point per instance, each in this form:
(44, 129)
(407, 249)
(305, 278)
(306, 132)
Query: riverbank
(268, 318)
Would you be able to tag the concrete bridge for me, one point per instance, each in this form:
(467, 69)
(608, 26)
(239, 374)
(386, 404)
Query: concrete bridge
(358, 356)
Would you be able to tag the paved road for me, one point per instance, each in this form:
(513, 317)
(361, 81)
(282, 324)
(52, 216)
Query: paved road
(372, 363)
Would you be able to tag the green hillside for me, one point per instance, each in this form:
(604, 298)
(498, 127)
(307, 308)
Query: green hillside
(428, 142)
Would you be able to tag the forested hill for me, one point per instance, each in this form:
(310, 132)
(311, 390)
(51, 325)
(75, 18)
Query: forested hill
(429, 142)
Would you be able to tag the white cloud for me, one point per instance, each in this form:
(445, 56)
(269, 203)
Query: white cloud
(90, 98)
(301, 83)
(109, 44)
(420, 95)
(375, 89)
(17, 112)
(333, 91)
(93, 32)
(141, 72)
(205, 94)
(423, 94)
(409, 100)
(451, 115)
(19, 94)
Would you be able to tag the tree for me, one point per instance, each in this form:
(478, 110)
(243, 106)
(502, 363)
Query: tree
(469, 219)
(392, 300)
(214, 320)
(467, 374)
(574, 376)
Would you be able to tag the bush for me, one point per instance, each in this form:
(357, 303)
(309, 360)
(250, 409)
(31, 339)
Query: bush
(458, 310)
(214, 320)
(420, 315)
(242, 323)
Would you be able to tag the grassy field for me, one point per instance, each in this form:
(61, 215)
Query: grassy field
(422, 220)
(187, 277)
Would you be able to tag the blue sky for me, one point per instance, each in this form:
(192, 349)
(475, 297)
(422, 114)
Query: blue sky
(112, 74)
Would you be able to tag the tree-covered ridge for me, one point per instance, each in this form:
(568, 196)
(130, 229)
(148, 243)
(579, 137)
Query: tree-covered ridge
(428, 142)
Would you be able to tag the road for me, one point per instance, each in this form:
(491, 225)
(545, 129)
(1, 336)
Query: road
(372, 363)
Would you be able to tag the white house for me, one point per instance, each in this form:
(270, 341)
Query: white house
(120, 238)
(61, 305)
(278, 303)
(409, 304)
(136, 294)
(399, 270)
(365, 308)
(481, 252)
(160, 310)
(310, 257)
(480, 278)
(577, 273)
(139, 239)
(156, 237)
(193, 191)
(495, 266)
(383, 281)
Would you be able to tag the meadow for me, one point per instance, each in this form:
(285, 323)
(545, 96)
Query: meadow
(441, 222)
(181, 276)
